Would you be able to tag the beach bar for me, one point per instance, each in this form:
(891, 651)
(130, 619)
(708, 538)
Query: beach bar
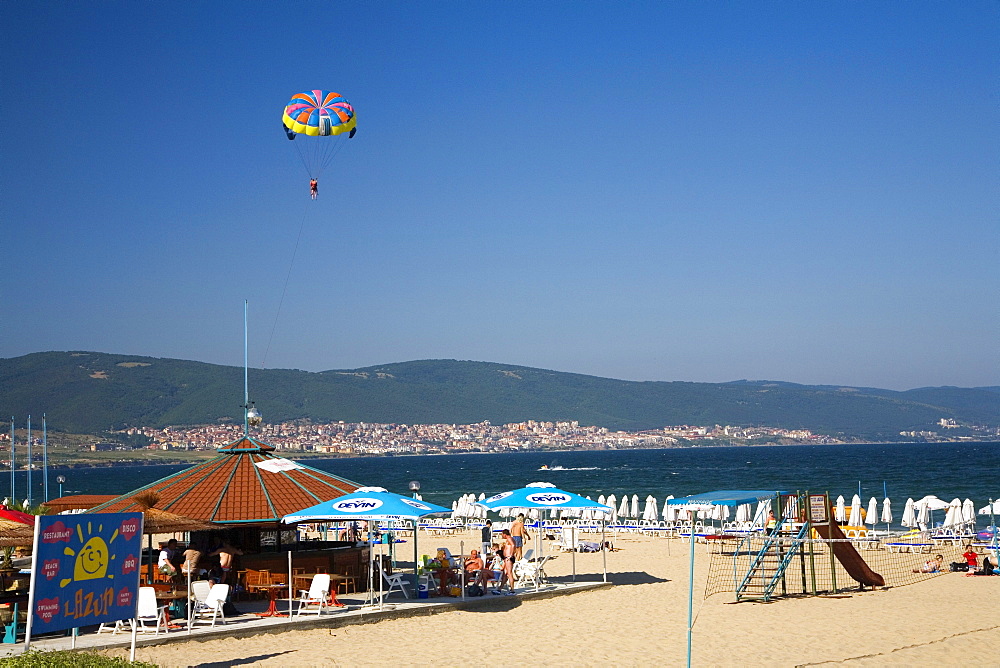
(245, 490)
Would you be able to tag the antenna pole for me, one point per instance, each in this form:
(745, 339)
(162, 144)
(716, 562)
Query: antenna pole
(246, 378)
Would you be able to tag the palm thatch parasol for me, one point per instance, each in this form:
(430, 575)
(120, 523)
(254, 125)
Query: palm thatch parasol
(161, 521)
(14, 534)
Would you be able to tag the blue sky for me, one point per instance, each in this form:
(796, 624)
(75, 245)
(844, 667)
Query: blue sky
(663, 191)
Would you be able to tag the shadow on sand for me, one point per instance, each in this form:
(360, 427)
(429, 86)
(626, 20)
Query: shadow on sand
(490, 603)
(242, 662)
(634, 578)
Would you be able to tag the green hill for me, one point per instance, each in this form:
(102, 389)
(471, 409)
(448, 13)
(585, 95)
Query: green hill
(87, 392)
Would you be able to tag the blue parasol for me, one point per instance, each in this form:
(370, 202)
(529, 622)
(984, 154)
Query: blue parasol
(366, 503)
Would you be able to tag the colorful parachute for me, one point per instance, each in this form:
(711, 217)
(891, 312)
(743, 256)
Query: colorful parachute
(318, 116)
(319, 113)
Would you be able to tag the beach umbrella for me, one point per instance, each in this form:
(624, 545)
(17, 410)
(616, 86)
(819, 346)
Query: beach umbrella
(871, 516)
(993, 508)
(623, 509)
(13, 534)
(743, 513)
(854, 518)
(666, 507)
(371, 504)
(763, 509)
(968, 512)
(791, 508)
(634, 511)
(650, 512)
(11, 515)
(886, 512)
(909, 517)
(954, 515)
(610, 503)
(840, 513)
(926, 506)
(547, 496)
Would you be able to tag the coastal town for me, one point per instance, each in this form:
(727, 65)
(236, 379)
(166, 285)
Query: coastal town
(370, 439)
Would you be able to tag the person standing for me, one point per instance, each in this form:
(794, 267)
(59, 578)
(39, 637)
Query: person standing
(520, 535)
(165, 562)
(487, 536)
(507, 565)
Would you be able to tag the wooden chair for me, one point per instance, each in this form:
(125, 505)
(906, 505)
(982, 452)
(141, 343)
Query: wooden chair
(254, 578)
(350, 584)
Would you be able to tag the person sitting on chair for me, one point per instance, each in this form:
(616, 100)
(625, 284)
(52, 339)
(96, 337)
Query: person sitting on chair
(475, 569)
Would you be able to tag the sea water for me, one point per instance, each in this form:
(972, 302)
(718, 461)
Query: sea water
(947, 470)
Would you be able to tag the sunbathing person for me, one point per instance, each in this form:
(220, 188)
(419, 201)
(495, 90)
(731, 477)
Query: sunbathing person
(931, 565)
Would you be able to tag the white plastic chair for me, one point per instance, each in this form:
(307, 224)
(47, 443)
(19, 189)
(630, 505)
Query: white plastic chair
(148, 612)
(531, 572)
(199, 592)
(113, 629)
(452, 561)
(316, 598)
(212, 607)
(394, 581)
(567, 539)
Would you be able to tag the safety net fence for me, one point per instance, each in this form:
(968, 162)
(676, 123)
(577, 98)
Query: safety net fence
(826, 566)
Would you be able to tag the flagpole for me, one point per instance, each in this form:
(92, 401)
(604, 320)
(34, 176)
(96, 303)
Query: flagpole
(28, 498)
(45, 457)
(12, 486)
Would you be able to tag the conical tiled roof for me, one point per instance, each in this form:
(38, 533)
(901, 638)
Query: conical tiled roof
(231, 488)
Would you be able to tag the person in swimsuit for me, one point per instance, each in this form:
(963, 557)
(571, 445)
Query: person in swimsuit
(507, 565)
(313, 188)
(519, 534)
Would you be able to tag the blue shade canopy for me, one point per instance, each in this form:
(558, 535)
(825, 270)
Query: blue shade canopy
(541, 495)
(366, 503)
(727, 497)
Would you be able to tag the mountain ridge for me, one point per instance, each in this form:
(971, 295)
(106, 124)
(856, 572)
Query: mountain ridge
(92, 392)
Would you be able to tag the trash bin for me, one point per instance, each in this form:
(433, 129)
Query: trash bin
(422, 591)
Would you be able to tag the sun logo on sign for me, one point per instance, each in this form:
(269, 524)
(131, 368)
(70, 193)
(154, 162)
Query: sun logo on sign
(93, 557)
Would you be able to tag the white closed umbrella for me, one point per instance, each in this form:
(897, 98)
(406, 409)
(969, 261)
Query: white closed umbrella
(760, 515)
(854, 518)
(666, 506)
(872, 516)
(969, 512)
(610, 503)
(669, 512)
(791, 508)
(634, 512)
(954, 515)
(840, 512)
(909, 516)
(886, 512)
(650, 512)
(623, 509)
(743, 512)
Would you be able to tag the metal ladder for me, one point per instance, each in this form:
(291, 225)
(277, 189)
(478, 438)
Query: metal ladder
(768, 567)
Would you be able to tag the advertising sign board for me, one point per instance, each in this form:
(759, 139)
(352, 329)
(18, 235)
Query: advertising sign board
(85, 570)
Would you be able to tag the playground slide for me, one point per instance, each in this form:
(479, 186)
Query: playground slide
(848, 557)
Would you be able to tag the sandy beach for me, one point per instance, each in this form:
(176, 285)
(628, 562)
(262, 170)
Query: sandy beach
(946, 620)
